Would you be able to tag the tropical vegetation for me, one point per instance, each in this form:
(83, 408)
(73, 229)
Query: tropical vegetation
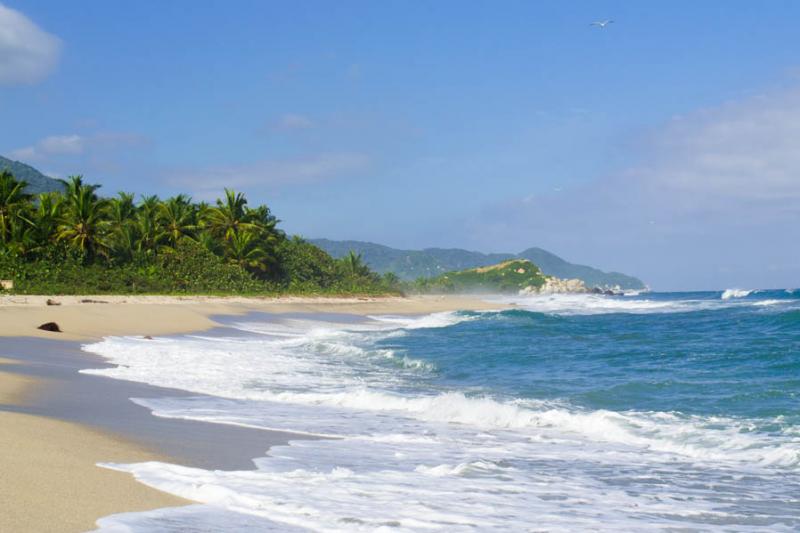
(506, 277)
(77, 241)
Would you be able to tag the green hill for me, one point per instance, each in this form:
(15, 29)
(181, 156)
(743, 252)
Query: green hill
(37, 182)
(431, 262)
(506, 277)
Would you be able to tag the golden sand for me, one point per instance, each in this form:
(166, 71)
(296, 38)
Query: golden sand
(161, 315)
(49, 480)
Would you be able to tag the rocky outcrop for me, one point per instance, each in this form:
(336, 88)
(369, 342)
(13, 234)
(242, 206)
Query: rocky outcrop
(553, 285)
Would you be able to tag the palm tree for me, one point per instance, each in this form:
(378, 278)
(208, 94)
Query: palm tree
(354, 264)
(83, 223)
(122, 228)
(230, 216)
(46, 216)
(177, 218)
(121, 209)
(245, 250)
(209, 242)
(13, 200)
(148, 232)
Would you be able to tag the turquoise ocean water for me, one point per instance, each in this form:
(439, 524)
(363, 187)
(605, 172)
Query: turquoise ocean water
(658, 411)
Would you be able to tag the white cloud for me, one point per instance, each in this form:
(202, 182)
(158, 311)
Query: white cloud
(27, 53)
(714, 201)
(742, 151)
(27, 153)
(292, 121)
(53, 145)
(270, 173)
(73, 144)
(61, 144)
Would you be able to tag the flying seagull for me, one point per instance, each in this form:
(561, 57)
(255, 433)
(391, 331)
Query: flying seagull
(601, 23)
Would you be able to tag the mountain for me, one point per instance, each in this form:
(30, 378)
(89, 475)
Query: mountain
(37, 182)
(430, 262)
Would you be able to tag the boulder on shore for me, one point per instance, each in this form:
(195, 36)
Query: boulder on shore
(553, 285)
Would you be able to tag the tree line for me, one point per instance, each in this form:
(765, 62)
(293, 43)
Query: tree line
(80, 226)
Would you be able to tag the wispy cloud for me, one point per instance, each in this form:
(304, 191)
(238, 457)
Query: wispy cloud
(746, 151)
(293, 121)
(269, 174)
(74, 144)
(709, 184)
(27, 53)
(52, 145)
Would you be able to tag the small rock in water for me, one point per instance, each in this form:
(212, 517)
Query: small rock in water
(50, 326)
(148, 337)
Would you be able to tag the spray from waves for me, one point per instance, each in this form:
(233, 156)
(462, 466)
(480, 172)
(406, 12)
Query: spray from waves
(727, 294)
(650, 303)
(591, 304)
(435, 320)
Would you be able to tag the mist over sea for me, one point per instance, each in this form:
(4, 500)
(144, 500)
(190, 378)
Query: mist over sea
(657, 411)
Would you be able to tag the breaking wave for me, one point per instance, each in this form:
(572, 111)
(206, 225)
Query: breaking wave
(417, 449)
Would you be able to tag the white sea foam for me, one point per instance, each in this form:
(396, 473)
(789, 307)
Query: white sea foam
(591, 304)
(413, 458)
(595, 304)
(735, 293)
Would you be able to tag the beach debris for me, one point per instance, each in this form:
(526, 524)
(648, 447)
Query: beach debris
(52, 302)
(50, 326)
(6, 284)
(90, 301)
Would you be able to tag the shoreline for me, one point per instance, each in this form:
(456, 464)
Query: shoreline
(104, 316)
(48, 474)
(59, 423)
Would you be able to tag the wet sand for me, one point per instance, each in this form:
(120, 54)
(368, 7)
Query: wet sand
(57, 423)
(94, 317)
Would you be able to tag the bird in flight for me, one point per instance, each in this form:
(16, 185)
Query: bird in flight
(601, 23)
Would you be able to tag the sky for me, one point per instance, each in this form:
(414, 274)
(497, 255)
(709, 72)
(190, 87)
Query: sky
(666, 145)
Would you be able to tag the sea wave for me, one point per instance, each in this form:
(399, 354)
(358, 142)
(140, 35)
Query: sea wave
(310, 366)
(409, 455)
(735, 293)
(649, 303)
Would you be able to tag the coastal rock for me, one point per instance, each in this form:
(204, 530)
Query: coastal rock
(52, 302)
(553, 285)
(50, 326)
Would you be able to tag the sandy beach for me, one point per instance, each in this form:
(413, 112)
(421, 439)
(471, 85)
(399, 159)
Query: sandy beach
(91, 317)
(49, 480)
(58, 424)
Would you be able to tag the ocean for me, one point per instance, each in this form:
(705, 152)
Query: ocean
(656, 411)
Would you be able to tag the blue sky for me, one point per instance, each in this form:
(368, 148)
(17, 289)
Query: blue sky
(664, 145)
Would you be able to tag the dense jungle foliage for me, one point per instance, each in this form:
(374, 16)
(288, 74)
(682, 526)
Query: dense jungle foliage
(78, 242)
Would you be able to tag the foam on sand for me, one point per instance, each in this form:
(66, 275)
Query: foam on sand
(409, 456)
